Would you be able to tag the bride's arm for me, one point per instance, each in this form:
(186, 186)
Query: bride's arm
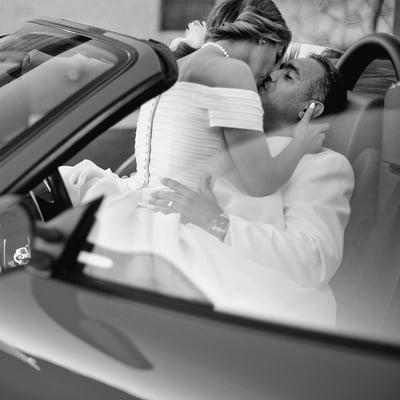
(262, 174)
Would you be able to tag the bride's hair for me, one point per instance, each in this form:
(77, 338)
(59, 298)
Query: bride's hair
(248, 20)
(226, 11)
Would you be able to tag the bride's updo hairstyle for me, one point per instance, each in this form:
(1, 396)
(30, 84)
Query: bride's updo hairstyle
(254, 20)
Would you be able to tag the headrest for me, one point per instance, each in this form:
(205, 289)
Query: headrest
(391, 127)
(358, 127)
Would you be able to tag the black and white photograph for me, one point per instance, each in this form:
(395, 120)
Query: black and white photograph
(200, 199)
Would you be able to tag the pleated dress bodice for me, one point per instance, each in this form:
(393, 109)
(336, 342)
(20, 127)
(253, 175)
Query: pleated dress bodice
(179, 134)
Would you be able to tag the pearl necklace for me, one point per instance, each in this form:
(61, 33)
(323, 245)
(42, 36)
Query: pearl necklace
(218, 46)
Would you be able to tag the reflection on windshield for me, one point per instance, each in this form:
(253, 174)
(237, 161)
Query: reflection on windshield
(40, 71)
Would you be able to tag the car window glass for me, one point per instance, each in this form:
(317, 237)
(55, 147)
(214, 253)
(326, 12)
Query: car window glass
(49, 70)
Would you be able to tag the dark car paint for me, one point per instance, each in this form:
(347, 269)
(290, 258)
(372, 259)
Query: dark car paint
(95, 343)
(52, 382)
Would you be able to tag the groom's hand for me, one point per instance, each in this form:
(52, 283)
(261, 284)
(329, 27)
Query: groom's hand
(310, 136)
(200, 209)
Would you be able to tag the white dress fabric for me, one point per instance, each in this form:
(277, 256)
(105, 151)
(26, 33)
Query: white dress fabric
(237, 276)
(179, 136)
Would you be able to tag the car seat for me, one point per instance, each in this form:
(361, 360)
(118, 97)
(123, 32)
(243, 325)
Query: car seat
(361, 284)
(356, 133)
(376, 290)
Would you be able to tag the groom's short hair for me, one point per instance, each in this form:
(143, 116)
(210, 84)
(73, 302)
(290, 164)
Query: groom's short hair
(330, 89)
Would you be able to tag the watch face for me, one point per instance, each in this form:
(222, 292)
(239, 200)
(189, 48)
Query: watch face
(221, 226)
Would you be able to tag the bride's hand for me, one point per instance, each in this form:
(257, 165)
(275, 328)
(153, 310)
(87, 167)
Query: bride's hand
(310, 137)
(200, 209)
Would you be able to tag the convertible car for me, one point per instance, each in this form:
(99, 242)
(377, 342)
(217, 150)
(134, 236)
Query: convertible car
(67, 92)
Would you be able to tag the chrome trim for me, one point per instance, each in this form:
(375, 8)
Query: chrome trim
(33, 197)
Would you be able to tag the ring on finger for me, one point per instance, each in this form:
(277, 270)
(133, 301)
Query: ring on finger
(170, 204)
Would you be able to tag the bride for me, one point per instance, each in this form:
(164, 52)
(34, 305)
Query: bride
(209, 122)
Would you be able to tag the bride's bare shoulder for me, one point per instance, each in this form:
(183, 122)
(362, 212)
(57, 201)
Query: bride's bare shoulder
(217, 72)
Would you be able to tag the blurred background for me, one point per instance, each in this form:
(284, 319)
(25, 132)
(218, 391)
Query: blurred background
(335, 23)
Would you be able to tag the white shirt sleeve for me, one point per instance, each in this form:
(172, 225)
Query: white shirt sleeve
(316, 203)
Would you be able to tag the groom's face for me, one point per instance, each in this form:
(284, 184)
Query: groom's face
(286, 91)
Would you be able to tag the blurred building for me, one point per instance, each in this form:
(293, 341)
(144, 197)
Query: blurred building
(338, 23)
(159, 19)
(328, 22)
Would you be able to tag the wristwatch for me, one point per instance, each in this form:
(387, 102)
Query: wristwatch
(220, 227)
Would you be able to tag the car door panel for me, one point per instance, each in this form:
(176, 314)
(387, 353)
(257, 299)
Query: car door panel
(189, 354)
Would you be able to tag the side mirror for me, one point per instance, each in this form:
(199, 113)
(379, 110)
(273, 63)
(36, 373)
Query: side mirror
(16, 232)
(52, 246)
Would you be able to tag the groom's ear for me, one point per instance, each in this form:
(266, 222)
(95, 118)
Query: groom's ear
(319, 109)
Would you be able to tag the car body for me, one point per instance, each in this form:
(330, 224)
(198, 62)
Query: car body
(68, 336)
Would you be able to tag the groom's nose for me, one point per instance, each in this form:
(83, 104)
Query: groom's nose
(274, 75)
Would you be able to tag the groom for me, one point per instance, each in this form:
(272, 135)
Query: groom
(316, 199)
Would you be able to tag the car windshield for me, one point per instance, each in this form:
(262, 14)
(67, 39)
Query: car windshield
(321, 252)
(40, 70)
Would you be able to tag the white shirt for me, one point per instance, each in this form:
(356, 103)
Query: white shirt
(316, 208)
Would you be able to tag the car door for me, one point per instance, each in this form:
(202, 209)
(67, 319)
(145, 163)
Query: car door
(82, 337)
